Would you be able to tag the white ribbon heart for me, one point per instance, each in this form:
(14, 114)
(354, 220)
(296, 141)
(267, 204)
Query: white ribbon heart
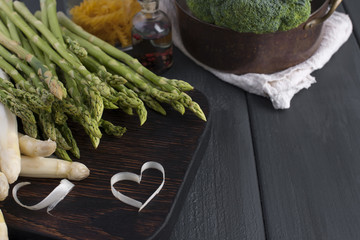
(121, 176)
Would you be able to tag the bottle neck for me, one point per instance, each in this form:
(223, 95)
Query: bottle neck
(149, 6)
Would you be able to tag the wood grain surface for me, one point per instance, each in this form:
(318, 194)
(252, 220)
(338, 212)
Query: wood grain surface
(224, 201)
(352, 7)
(308, 156)
(270, 174)
(305, 162)
(90, 211)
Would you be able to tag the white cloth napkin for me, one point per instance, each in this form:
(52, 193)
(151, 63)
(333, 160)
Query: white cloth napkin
(279, 87)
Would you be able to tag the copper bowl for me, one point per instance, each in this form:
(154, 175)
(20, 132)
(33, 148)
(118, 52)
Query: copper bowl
(230, 51)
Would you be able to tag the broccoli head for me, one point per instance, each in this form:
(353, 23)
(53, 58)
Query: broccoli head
(257, 16)
(201, 9)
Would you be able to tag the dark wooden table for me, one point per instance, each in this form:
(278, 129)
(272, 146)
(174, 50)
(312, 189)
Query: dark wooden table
(288, 174)
(279, 174)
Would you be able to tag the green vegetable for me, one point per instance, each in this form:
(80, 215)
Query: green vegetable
(45, 61)
(122, 69)
(257, 16)
(61, 141)
(17, 107)
(111, 129)
(29, 128)
(33, 101)
(55, 86)
(66, 132)
(118, 54)
(62, 154)
(47, 125)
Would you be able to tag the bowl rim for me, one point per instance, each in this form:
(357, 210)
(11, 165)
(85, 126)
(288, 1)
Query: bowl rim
(181, 3)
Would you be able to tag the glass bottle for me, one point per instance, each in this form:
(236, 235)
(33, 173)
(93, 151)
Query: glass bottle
(151, 37)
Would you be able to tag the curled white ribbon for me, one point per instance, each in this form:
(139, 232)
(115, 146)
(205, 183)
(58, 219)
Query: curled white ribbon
(58, 194)
(121, 176)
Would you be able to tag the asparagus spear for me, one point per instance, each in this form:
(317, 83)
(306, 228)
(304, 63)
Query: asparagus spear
(95, 101)
(58, 113)
(193, 106)
(43, 16)
(50, 6)
(152, 103)
(26, 29)
(47, 125)
(4, 29)
(43, 45)
(142, 113)
(33, 147)
(186, 101)
(179, 84)
(61, 153)
(9, 145)
(4, 192)
(111, 129)
(95, 141)
(44, 19)
(121, 69)
(61, 141)
(147, 99)
(17, 107)
(94, 66)
(23, 67)
(12, 28)
(75, 47)
(120, 86)
(31, 100)
(73, 89)
(16, 76)
(91, 95)
(109, 105)
(30, 128)
(66, 132)
(50, 131)
(109, 49)
(81, 115)
(128, 111)
(46, 97)
(178, 107)
(52, 168)
(60, 48)
(162, 82)
(31, 47)
(37, 52)
(125, 100)
(55, 86)
(25, 43)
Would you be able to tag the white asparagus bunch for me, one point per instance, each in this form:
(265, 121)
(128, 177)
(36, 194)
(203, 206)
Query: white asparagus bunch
(3, 228)
(36, 148)
(10, 160)
(41, 167)
(4, 187)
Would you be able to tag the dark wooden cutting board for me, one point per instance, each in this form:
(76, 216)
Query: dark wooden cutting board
(90, 211)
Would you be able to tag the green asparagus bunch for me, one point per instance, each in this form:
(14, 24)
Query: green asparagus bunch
(59, 72)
